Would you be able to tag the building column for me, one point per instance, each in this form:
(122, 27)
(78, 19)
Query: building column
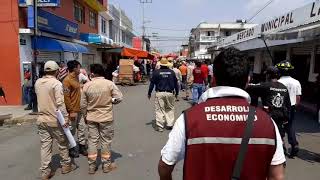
(312, 75)
(257, 62)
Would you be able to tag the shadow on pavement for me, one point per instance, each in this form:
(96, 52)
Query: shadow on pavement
(305, 122)
(151, 123)
(309, 156)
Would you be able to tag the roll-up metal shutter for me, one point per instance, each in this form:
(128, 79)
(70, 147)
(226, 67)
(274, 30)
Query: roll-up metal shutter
(302, 50)
(45, 56)
(318, 50)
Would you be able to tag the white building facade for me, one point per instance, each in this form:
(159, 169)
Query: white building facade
(207, 34)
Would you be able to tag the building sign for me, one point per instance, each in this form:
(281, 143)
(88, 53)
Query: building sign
(41, 3)
(245, 35)
(305, 15)
(54, 24)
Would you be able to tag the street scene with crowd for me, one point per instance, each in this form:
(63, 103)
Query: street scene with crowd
(88, 98)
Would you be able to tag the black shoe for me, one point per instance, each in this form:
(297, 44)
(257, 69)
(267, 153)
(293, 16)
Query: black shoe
(73, 152)
(28, 108)
(294, 151)
(83, 150)
(169, 128)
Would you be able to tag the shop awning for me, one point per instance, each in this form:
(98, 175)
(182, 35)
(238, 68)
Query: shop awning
(136, 53)
(95, 39)
(49, 44)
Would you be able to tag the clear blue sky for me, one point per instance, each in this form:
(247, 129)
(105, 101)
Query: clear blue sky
(186, 14)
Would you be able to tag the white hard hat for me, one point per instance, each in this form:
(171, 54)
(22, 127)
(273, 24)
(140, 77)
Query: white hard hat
(51, 66)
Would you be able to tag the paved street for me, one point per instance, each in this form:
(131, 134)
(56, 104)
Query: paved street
(136, 147)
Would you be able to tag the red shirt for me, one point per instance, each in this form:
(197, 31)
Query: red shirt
(205, 70)
(198, 76)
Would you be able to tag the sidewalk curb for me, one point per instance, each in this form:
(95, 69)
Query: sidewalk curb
(23, 119)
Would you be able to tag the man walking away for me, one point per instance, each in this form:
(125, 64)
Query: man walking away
(97, 99)
(166, 84)
(295, 93)
(199, 81)
(184, 72)
(50, 98)
(275, 98)
(205, 70)
(178, 76)
(208, 136)
(72, 95)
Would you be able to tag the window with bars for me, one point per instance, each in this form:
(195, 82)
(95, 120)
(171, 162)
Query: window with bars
(92, 19)
(79, 13)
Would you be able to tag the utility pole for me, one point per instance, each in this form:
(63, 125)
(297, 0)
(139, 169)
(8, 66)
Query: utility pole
(35, 58)
(143, 21)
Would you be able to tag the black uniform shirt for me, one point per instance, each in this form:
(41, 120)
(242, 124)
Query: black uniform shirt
(164, 80)
(275, 96)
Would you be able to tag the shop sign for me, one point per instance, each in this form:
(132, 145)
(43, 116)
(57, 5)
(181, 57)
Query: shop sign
(245, 35)
(299, 17)
(41, 3)
(54, 24)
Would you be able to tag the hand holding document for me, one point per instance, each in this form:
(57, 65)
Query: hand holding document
(67, 131)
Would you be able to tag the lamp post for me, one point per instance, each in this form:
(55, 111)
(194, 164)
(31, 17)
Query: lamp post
(143, 21)
(35, 60)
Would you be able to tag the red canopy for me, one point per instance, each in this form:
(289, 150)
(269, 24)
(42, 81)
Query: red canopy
(173, 55)
(136, 53)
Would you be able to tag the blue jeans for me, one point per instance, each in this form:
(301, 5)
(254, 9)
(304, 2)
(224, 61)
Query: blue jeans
(197, 90)
(291, 129)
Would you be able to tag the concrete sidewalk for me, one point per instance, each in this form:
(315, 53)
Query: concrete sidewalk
(15, 114)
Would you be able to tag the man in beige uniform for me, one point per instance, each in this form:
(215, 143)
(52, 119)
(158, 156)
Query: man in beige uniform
(50, 98)
(97, 99)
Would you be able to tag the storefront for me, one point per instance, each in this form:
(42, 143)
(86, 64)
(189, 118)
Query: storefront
(293, 36)
(95, 41)
(55, 41)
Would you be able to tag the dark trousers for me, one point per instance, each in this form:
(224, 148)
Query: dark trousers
(291, 129)
(209, 80)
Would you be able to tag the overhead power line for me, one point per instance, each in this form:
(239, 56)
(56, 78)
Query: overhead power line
(167, 29)
(260, 10)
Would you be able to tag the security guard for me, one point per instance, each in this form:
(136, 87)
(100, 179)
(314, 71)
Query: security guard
(295, 92)
(97, 98)
(166, 84)
(208, 136)
(50, 97)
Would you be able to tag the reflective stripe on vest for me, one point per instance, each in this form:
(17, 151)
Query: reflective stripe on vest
(221, 140)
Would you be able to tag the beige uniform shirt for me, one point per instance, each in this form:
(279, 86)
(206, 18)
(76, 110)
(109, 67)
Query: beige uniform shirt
(50, 98)
(97, 99)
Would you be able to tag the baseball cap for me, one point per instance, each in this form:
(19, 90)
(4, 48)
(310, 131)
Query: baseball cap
(51, 66)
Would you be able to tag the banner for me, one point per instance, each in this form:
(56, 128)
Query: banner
(305, 15)
(41, 3)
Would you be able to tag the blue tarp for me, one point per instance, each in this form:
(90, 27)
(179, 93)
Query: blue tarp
(49, 44)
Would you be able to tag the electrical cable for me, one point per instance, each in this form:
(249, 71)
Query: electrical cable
(260, 10)
(166, 29)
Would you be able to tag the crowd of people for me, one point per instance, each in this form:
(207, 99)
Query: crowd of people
(86, 103)
(226, 122)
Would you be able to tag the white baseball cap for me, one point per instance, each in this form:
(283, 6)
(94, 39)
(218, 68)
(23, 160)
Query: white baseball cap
(51, 66)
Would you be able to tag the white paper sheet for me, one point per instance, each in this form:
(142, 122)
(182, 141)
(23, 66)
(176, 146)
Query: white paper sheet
(67, 131)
